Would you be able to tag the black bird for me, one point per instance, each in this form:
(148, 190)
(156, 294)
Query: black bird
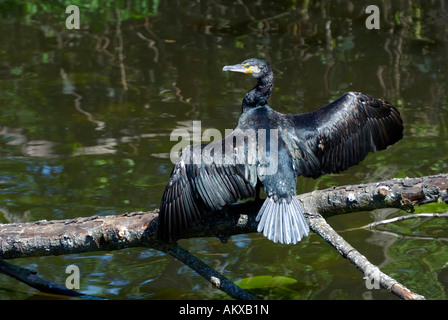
(272, 149)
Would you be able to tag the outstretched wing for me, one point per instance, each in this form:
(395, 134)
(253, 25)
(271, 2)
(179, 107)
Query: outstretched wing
(206, 178)
(340, 135)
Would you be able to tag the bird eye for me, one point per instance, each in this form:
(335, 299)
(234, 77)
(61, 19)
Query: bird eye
(247, 66)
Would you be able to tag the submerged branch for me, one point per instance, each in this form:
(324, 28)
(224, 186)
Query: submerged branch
(207, 272)
(32, 279)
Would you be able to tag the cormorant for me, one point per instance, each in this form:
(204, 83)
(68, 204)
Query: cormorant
(272, 149)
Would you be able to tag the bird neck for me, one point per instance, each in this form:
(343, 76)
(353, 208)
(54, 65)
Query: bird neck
(260, 94)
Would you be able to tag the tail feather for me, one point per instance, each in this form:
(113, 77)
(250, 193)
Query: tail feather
(281, 221)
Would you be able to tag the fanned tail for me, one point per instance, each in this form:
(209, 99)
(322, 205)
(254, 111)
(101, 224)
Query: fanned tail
(281, 221)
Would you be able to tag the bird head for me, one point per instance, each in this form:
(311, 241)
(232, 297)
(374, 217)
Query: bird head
(256, 67)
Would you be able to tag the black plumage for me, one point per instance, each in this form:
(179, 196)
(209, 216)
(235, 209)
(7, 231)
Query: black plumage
(271, 149)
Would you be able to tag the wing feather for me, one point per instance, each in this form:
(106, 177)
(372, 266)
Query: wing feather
(341, 134)
(199, 185)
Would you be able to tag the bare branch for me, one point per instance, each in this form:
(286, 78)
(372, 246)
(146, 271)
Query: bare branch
(58, 237)
(371, 272)
(138, 229)
(401, 218)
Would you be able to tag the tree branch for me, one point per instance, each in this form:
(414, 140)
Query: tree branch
(138, 229)
(396, 193)
(401, 218)
(58, 237)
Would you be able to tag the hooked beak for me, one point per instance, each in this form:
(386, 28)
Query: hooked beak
(237, 68)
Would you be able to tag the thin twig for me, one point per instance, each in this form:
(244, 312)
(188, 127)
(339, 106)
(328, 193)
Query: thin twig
(401, 218)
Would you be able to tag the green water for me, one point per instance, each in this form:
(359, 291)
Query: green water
(86, 117)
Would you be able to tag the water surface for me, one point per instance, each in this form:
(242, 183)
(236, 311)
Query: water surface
(86, 117)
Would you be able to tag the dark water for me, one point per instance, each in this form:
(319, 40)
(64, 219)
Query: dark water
(86, 117)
